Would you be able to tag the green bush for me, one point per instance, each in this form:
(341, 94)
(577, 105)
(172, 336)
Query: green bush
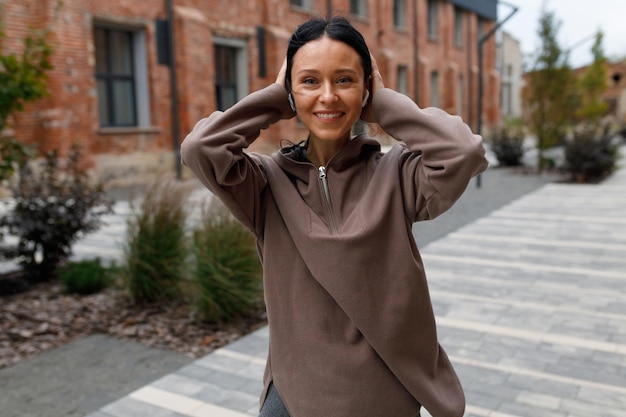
(227, 268)
(85, 277)
(590, 154)
(156, 248)
(508, 145)
(55, 205)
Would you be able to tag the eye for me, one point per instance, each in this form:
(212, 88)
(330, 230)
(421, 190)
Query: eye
(344, 80)
(308, 81)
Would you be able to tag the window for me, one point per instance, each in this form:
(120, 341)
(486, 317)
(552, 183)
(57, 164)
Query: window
(305, 4)
(225, 76)
(505, 99)
(399, 13)
(403, 80)
(458, 27)
(434, 89)
(230, 72)
(358, 7)
(121, 77)
(433, 24)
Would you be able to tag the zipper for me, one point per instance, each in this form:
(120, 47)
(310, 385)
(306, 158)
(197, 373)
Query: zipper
(326, 195)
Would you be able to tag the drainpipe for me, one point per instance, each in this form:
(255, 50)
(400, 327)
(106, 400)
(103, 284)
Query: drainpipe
(173, 89)
(481, 42)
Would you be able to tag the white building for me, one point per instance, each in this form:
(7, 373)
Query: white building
(509, 65)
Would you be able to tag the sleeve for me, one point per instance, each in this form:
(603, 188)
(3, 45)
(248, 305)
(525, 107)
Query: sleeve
(442, 153)
(214, 151)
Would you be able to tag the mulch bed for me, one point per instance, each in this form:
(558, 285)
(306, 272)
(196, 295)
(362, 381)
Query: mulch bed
(43, 317)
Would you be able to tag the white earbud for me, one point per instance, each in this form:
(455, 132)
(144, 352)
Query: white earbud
(292, 104)
(367, 96)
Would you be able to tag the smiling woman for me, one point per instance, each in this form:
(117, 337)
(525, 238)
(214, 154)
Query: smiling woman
(352, 330)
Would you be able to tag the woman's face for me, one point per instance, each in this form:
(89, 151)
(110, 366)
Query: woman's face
(328, 88)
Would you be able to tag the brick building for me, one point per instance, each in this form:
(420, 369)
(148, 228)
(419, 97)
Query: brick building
(111, 84)
(615, 94)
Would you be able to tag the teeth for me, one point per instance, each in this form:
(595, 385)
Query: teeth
(328, 115)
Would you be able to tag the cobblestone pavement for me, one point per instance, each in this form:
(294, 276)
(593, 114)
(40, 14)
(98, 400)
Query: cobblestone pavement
(530, 303)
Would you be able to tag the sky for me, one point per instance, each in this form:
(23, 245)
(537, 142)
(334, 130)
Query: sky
(580, 20)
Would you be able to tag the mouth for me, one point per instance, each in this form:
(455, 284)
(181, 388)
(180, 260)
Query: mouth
(329, 116)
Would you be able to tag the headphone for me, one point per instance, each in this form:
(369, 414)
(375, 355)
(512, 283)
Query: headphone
(367, 96)
(292, 104)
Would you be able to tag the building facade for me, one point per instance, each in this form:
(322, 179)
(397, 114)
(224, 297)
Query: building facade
(510, 66)
(113, 89)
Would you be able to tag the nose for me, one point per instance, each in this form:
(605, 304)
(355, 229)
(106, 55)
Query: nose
(327, 93)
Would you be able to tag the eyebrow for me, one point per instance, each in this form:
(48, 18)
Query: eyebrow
(339, 71)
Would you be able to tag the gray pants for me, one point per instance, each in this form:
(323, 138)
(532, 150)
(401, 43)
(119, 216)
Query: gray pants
(273, 405)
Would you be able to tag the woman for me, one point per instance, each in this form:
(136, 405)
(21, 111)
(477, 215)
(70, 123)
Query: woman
(352, 332)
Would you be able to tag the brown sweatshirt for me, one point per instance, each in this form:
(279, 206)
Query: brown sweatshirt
(352, 330)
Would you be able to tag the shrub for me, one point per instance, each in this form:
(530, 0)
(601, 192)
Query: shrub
(85, 277)
(13, 156)
(227, 268)
(54, 207)
(156, 248)
(590, 155)
(508, 145)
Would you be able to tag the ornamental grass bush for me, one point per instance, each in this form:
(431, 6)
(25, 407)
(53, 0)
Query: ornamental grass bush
(156, 245)
(227, 270)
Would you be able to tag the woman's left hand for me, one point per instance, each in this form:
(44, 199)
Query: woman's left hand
(376, 84)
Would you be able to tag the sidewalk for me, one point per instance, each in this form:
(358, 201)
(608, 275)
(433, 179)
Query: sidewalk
(531, 308)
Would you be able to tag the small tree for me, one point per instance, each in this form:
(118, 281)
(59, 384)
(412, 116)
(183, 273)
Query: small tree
(23, 79)
(593, 84)
(55, 205)
(551, 88)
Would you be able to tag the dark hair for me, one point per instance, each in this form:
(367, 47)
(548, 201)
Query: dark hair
(337, 28)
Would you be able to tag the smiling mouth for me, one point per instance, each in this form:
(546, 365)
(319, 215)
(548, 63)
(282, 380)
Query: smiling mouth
(328, 116)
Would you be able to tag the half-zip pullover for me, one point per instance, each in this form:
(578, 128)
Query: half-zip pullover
(352, 331)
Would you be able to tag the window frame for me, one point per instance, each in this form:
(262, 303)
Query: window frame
(433, 20)
(399, 14)
(138, 77)
(402, 79)
(240, 48)
(108, 116)
(459, 23)
(302, 4)
(359, 8)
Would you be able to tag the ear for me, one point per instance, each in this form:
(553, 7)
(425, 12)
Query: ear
(367, 96)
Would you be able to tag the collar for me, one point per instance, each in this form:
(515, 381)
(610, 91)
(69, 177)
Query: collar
(293, 159)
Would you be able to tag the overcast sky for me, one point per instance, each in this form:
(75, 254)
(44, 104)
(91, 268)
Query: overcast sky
(580, 19)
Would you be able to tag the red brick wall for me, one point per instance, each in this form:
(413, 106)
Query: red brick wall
(71, 111)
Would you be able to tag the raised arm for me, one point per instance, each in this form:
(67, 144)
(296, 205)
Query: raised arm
(214, 151)
(443, 154)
